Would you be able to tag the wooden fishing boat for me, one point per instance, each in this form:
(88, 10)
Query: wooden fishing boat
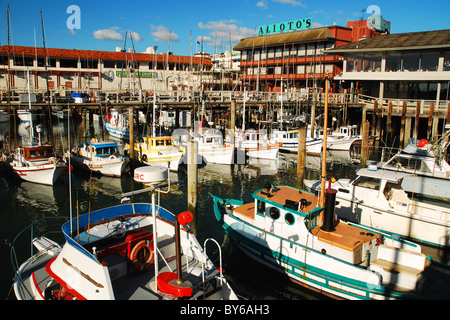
(283, 228)
(256, 144)
(116, 124)
(101, 157)
(158, 151)
(37, 163)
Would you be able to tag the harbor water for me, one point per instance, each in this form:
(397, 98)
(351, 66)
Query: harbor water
(23, 202)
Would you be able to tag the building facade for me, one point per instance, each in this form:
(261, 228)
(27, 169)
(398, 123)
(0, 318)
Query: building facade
(412, 65)
(296, 59)
(105, 71)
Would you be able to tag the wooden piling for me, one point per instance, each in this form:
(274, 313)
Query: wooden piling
(232, 120)
(131, 132)
(389, 124)
(313, 120)
(430, 122)
(402, 126)
(374, 117)
(365, 144)
(192, 181)
(417, 119)
(301, 156)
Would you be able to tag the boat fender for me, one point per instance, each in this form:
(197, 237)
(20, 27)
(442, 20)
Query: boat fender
(112, 157)
(379, 241)
(141, 256)
(144, 157)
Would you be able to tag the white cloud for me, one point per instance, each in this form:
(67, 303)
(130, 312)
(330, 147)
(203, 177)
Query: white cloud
(136, 36)
(161, 33)
(262, 4)
(107, 34)
(294, 3)
(225, 30)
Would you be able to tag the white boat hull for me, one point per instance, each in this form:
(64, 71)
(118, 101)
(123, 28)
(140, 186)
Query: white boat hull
(112, 167)
(222, 155)
(26, 116)
(421, 221)
(166, 160)
(43, 174)
(117, 131)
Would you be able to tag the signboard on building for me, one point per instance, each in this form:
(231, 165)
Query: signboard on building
(142, 74)
(285, 26)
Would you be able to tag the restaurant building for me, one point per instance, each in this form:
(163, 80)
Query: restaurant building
(413, 65)
(89, 70)
(296, 59)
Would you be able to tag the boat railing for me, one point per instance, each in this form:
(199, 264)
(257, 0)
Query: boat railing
(31, 228)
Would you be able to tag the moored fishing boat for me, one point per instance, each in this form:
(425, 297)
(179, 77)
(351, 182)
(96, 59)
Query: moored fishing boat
(101, 157)
(37, 163)
(283, 228)
(158, 151)
(409, 205)
(135, 251)
(116, 124)
(256, 144)
(211, 146)
(289, 141)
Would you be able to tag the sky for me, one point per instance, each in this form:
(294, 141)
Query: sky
(105, 25)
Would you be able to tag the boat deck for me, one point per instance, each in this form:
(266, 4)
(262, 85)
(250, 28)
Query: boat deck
(290, 197)
(345, 236)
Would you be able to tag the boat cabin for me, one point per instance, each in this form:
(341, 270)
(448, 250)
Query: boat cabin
(293, 214)
(153, 142)
(37, 153)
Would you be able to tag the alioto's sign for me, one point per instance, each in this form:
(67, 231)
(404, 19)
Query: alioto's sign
(285, 26)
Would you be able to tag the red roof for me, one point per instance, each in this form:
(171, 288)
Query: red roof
(103, 55)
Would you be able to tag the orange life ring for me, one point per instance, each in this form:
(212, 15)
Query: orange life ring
(141, 256)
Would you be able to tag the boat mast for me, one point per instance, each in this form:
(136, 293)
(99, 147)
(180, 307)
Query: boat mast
(50, 128)
(324, 146)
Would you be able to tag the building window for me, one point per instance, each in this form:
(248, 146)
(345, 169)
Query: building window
(411, 61)
(355, 63)
(311, 50)
(278, 53)
(447, 60)
(263, 54)
(271, 53)
(68, 63)
(244, 55)
(429, 61)
(257, 55)
(23, 61)
(89, 63)
(301, 50)
(372, 63)
(249, 55)
(109, 64)
(393, 62)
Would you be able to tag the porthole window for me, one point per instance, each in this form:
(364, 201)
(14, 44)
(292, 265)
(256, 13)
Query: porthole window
(289, 218)
(274, 213)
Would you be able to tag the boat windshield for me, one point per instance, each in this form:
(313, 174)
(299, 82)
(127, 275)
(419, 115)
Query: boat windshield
(367, 182)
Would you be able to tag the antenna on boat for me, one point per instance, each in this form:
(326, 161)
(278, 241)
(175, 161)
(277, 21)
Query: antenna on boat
(154, 176)
(324, 146)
